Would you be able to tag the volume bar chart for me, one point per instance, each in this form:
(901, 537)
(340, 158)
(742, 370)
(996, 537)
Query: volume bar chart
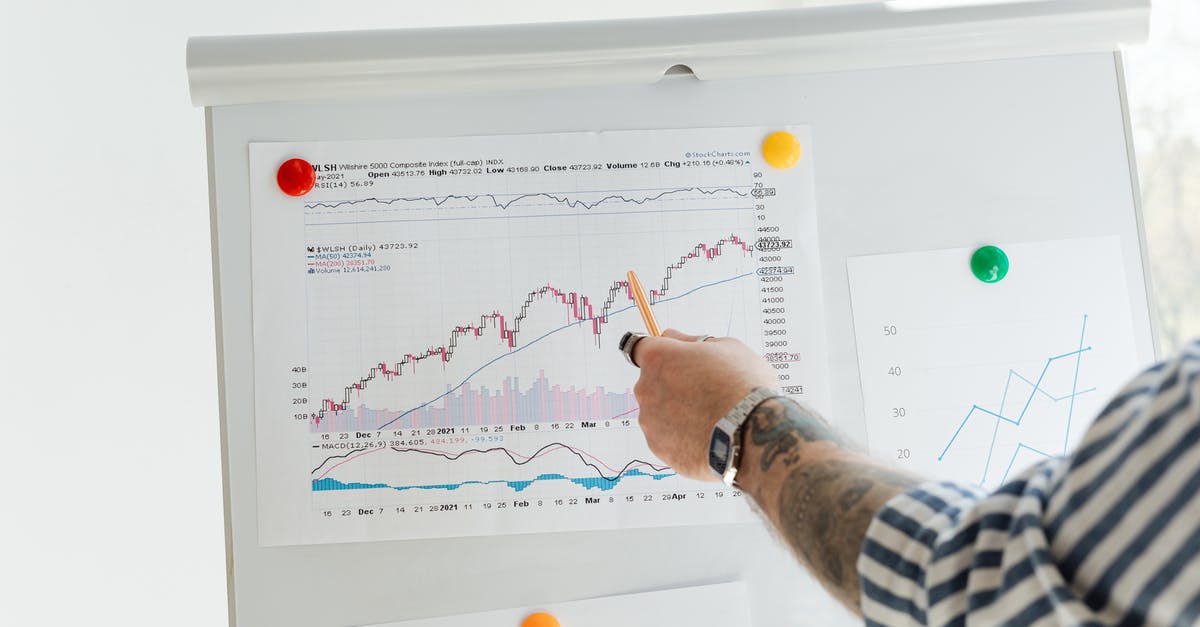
(510, 403)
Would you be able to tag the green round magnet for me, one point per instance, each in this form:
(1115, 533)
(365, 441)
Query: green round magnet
(989, 264)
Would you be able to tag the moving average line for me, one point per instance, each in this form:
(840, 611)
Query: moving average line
(547, 334)
(578, 306)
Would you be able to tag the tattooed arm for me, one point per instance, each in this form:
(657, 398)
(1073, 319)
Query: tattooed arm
(814, 489)
(819, 494)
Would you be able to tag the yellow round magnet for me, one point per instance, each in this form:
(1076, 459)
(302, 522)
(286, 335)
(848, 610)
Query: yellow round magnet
(781, 150)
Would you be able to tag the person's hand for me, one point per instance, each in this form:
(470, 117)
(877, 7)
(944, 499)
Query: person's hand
(685, 387)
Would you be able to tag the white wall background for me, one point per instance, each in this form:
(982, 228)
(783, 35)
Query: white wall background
(111, 512)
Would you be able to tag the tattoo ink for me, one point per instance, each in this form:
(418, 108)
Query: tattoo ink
(780, 428)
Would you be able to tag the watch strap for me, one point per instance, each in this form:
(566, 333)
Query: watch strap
(731, 423)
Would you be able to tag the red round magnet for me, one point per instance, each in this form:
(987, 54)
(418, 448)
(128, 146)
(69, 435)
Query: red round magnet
(296, 177)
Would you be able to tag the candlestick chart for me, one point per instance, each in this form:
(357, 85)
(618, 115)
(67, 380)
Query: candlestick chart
(443, 336)
(508, 403)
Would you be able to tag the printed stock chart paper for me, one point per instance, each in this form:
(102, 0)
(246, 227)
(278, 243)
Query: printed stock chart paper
(435, 324)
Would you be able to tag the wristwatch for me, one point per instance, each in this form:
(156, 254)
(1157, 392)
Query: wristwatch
(724, 448)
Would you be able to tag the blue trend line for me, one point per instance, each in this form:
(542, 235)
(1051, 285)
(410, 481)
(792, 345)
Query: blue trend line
(1021, 416)
(1020, 445)
(991, 449)
(1007, 382)
(1035, 389)
(544, 336)
(1014, 373)
(1071, 408)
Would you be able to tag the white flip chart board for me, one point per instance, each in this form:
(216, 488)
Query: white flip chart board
(923, 131)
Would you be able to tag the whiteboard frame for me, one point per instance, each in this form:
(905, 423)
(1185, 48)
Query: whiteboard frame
(218, 321)
(760, 539)
(1135, 183)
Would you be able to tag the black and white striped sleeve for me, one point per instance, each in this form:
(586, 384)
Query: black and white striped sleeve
(1107, 536)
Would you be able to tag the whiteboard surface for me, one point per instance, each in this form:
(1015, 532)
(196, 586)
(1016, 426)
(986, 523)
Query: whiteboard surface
(908, 159)
(716, 604)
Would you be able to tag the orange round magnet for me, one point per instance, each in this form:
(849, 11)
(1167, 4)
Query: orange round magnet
(541, 619)
(782, 150)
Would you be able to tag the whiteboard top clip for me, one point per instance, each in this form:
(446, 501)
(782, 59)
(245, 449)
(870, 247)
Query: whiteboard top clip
(391, 63)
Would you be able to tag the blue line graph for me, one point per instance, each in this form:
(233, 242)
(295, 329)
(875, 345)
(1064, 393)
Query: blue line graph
(999, 414)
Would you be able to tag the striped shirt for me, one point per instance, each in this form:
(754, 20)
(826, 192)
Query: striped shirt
(1107, 536)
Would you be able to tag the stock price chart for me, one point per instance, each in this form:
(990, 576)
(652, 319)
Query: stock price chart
(436, 323)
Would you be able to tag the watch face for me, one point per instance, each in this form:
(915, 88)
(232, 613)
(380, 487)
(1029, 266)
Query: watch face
(718, 451)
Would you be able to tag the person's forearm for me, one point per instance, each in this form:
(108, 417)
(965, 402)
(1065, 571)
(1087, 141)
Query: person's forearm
(818, 493)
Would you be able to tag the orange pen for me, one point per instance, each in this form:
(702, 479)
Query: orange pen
(643, 303)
